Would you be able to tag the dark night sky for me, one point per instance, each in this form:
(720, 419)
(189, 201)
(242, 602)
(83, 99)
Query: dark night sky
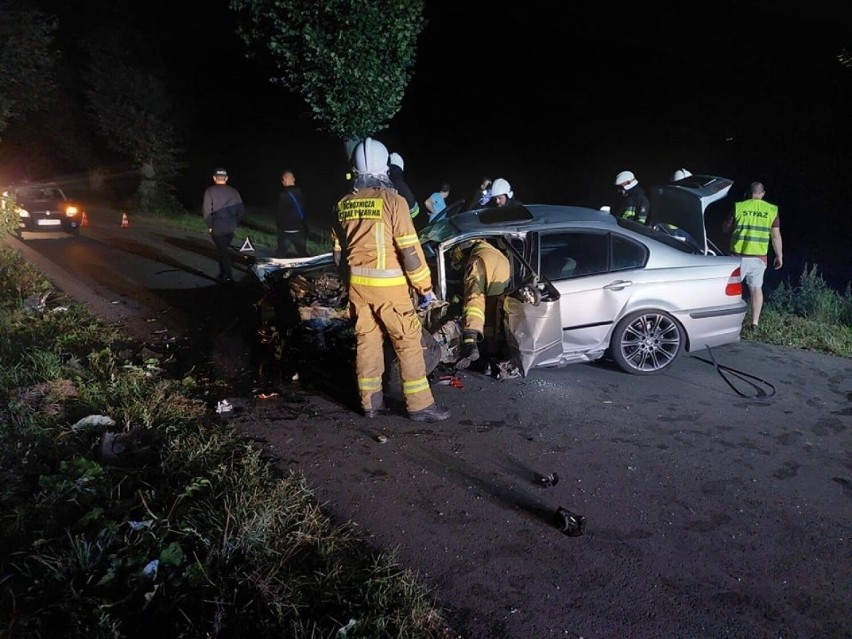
(557, 98)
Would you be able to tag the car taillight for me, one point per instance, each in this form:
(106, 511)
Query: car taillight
(735, 284)
(71, 211)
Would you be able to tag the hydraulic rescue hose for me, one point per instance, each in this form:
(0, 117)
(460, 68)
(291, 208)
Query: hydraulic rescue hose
(755, 382)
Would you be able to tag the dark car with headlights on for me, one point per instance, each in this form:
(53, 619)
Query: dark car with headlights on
(45, 207)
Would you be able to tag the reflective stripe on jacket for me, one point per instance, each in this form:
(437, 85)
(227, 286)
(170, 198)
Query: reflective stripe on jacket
(487, 275)
(382, 245)
(753, 220)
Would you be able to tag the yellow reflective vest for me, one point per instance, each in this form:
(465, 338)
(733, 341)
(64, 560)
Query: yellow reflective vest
(753, 220)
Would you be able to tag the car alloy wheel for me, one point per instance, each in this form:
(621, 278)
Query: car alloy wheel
(646, 342)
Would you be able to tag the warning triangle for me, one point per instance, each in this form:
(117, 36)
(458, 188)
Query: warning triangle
(247, 246)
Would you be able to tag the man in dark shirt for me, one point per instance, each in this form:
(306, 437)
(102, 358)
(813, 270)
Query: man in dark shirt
(396, 166)
(290, 218)
(222, 209)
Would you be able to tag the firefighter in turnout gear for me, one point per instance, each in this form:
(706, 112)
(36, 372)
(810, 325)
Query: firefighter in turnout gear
(635, 205)
(486, 277)
(383, 257)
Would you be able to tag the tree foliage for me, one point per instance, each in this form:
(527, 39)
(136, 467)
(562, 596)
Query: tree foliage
(27, 59)
(132, 110)
(349, 60)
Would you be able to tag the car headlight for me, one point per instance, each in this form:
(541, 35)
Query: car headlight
(23, 213)
(71, 211)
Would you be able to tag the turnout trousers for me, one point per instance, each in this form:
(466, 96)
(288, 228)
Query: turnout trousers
(380, 311)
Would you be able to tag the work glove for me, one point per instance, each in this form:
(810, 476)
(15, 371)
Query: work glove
(428, 298)
(469, 351)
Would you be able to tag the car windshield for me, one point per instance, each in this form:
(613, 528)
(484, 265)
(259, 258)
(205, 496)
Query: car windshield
(40, 193)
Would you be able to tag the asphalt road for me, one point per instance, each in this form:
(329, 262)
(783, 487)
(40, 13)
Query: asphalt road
(713, 505)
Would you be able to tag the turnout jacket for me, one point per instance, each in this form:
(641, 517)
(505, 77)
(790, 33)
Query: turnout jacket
(487, 275)
(377, 237)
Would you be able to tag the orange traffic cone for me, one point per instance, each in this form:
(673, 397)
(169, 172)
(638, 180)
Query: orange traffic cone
(85, 221)
(125, 223)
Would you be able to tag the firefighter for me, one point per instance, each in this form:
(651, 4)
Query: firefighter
(383, 256)
(636, 205)
(502, 194)
(486, 277)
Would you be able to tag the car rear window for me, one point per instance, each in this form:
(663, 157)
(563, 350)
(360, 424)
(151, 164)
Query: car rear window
(665, 238)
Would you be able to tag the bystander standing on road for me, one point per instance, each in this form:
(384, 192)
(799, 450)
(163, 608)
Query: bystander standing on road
(376, 237)
(753, 223)
(222, 209)
(437, 202)
(291, 218)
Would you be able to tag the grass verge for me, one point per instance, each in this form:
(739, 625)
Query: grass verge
(128, 509)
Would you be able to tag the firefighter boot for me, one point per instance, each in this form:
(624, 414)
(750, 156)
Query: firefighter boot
(469, 349)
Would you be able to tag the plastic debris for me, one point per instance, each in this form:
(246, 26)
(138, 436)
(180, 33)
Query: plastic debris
(550, 480)
(569, 523)
(382, 439)
(36, 303)
(343, 633)
(224, 406)
(507, 370)
(450, 380)
(150, 569)
(93, 421)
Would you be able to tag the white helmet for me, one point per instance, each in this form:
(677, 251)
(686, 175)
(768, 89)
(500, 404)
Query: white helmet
(626, 180)
(680, 174)
(371, 157)
(395, 159)
(501, 187)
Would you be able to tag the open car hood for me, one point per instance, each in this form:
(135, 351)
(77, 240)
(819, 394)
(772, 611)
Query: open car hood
(682, 205)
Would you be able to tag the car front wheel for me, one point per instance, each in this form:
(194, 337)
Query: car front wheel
(646, 342)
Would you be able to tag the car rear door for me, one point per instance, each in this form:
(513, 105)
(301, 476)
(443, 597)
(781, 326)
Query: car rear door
(594, 285)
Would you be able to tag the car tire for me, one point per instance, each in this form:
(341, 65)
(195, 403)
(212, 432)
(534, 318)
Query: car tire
(646, 342)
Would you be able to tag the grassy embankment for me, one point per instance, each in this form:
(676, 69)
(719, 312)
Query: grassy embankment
(127, 508)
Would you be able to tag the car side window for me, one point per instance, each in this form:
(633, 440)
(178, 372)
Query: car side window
(572, 254)
(627, 254)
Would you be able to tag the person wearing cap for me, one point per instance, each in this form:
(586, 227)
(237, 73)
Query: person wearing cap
(222, 209)
(635, 205)
(376, 237)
